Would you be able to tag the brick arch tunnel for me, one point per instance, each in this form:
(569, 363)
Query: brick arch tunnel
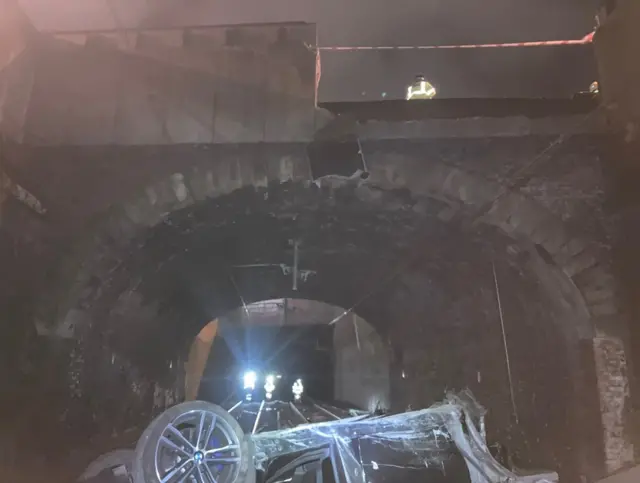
(422, 251)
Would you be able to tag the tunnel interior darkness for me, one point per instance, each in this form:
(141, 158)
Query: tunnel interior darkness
(292, 352)
(428, 286)
(338, 355)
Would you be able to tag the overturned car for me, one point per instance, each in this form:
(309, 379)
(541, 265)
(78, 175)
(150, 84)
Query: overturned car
(199, 442)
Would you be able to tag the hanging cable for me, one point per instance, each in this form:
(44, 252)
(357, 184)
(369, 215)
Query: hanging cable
(506, 346)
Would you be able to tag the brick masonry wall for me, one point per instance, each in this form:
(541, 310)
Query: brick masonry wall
(613, 385)
(3, 192)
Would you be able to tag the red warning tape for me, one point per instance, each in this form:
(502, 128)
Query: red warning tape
(587, 39)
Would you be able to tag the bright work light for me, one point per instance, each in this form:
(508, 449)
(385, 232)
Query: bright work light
(249, 379)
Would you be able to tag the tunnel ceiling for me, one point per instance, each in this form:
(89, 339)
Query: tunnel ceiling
(389, 256)
(352, 241)
(176, 241)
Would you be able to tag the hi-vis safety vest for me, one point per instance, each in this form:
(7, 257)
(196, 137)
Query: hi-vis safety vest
(421, 90)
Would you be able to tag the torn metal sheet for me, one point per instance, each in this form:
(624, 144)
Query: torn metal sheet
(425, 436)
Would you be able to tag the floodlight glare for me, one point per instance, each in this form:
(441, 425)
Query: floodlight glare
(297, 388)
(250, 378)
(270, 384)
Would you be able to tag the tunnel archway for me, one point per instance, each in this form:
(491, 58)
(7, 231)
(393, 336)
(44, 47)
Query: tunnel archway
(412, 249)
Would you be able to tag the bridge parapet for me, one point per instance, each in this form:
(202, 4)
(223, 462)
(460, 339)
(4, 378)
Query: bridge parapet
(12, 35)
(254, 83)
(15, 75)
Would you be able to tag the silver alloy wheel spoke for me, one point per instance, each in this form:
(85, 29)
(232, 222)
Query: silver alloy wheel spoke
(203, 416)
(222, 461)
(181, 438)
(187, 474)
(228, 447)
(210, 476)
(212, 426)
(176, 469)
(182, 454)
(199, 475)
(171, 445)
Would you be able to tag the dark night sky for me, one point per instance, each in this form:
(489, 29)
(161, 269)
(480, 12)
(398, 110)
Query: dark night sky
(365, 76)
